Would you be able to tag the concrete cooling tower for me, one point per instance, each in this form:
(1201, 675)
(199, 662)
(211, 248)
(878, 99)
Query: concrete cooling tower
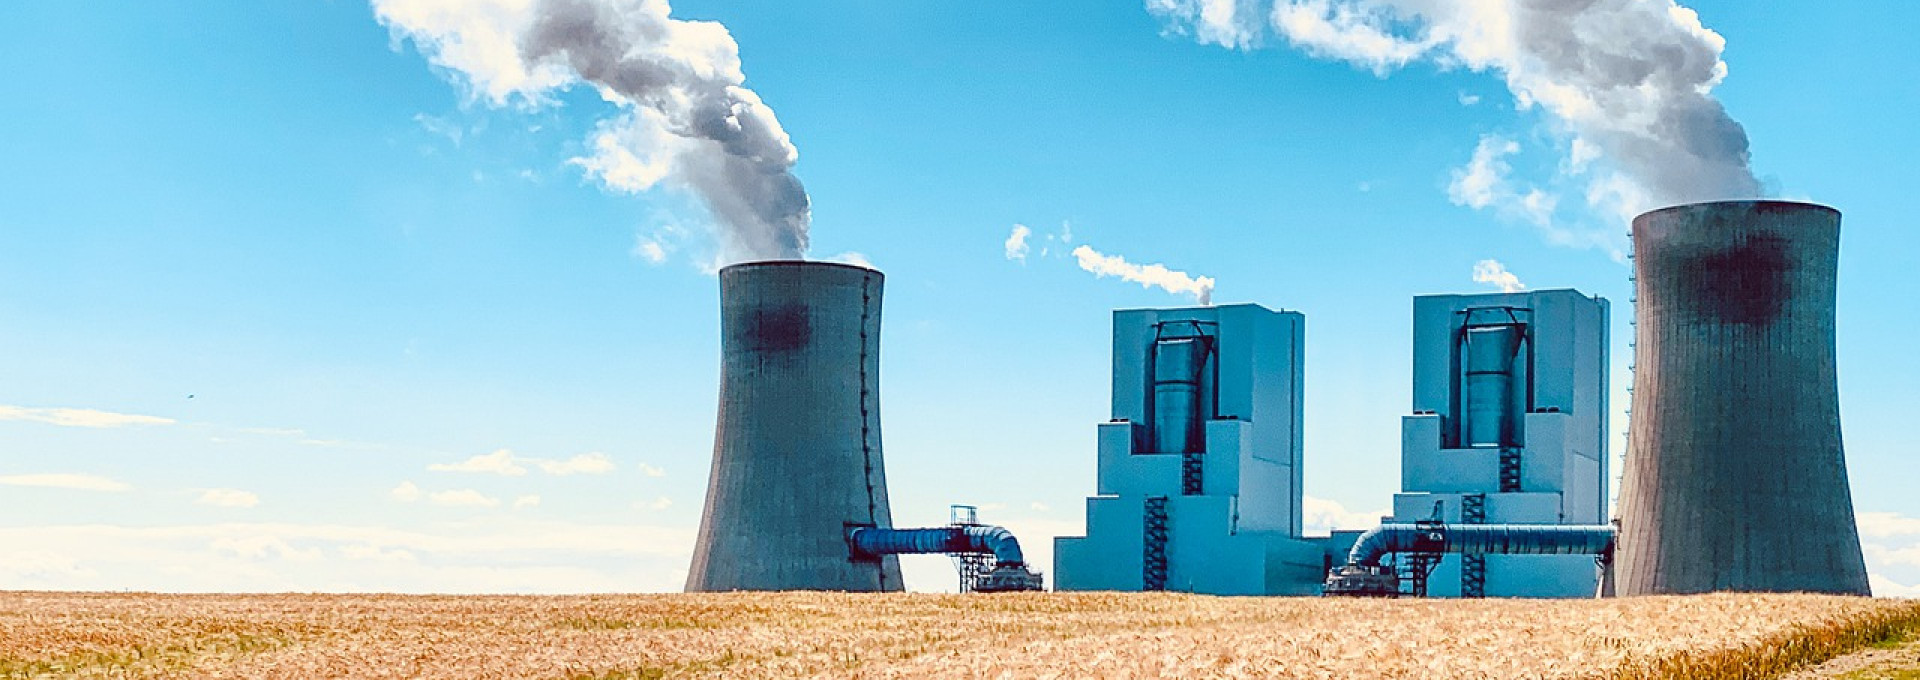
(1735, 479)
(796, 453)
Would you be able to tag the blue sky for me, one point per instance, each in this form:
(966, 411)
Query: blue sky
(360, 270)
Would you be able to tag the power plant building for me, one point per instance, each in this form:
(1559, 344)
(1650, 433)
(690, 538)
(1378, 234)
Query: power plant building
(1735, 476)
(1199, 471)
(1509, 428)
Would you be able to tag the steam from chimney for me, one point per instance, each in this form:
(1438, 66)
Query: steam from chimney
(1148, 276)
(686, 117)
(1493, 273)
(1630, 79)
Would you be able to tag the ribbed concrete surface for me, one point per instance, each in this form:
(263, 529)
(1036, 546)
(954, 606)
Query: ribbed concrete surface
(796, 451)
(1735, 478)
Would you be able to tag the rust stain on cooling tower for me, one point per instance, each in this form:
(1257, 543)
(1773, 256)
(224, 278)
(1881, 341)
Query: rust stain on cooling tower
(781, 329)
(1745, 284)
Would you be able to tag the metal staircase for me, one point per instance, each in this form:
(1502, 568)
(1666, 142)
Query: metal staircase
(1473, 565)
(1153, 558)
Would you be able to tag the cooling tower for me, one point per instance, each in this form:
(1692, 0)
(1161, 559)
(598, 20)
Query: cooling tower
(1735, 478)
(796, 452)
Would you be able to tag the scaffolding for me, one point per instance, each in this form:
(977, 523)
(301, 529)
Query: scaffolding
(972, 566)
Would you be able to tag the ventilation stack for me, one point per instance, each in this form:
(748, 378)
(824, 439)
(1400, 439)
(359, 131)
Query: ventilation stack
(796, 452)
(1735, 479)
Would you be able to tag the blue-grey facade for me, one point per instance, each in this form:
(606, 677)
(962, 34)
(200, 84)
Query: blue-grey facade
(1508, 427)
(1200, 468)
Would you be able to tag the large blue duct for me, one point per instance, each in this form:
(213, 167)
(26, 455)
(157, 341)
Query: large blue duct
(1501, 539)
(874, 542)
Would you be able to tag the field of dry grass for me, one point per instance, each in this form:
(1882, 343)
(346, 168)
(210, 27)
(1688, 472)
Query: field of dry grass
(1008, 635)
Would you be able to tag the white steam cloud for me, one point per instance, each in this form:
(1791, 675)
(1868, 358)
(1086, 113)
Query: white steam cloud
(686, 119)
(1630, 80)
(1148, 276)
(1493, 273)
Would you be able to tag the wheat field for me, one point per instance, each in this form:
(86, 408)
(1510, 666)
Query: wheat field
(1015, 635)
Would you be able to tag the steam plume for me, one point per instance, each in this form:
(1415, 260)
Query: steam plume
(1148, 276)
(686, 117)
(1630, 79)
(1493, 273)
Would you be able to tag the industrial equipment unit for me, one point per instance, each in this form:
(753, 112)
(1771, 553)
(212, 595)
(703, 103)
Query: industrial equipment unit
(1199, 470)
(1735, 477)
(1508, 427)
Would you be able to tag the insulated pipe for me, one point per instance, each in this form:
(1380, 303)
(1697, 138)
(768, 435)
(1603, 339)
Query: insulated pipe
(1503, 539)
(874, 542)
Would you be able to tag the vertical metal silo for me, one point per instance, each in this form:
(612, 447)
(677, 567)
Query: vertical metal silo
(796, 451)
(1735, 478)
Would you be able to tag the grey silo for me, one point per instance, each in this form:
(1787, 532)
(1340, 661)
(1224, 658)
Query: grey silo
(796, 451)
(1735, 478)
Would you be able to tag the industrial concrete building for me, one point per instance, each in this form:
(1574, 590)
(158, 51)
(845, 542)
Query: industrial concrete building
(1509, 428)
(1199, 470)
(1735, 477)
(796, 451)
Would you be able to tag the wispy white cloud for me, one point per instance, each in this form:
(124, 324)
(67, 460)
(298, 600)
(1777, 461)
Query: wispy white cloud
(650, 250)
(462, 498)
(78, 482)
(1484, 183)
(1345, 31)
(1320, 515)
(1016, 245)
(652, 471)
(263, 547)
(527, 501)
(1890, 541)
(662, 241)
(584, 464)
(1467, 99)
(442, 127)
(1148, 276)
(406, 492)
(500, 462)
(374, 554)
(79, 417)
(1886, 587)
(1233, 24)
(1492, 273)
(506, 462)
(1887, 525)
(228, 498)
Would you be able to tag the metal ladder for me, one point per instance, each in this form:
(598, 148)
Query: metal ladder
(1473, 565)
(1153, 558)
(1191, 465)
